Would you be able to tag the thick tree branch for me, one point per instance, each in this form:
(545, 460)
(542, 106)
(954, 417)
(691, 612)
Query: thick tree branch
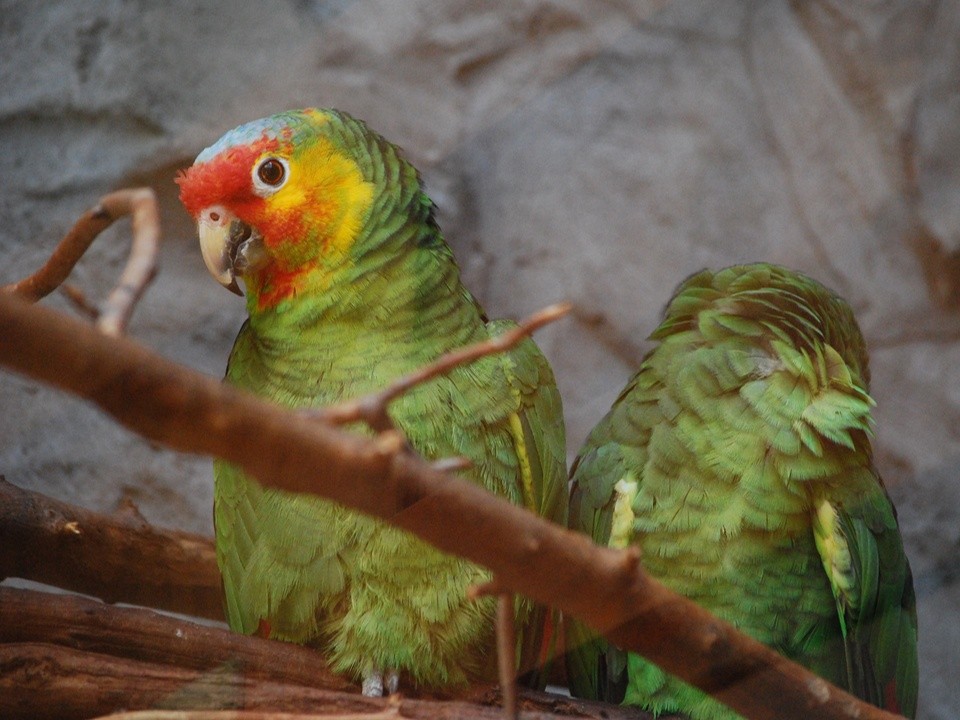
(388, 714)
(140, 269)
(136, 634)
(119, 557)
(65, 656)
(52, 682)
(40, 681)
(605, 588)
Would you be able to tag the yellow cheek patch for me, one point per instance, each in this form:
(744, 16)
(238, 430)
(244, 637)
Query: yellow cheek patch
(327, 192)
(311, 223)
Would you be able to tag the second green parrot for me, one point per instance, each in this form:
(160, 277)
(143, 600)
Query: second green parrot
(738, 460)
(350, 284)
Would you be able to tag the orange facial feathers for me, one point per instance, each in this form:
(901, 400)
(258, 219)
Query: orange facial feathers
(306, 223)
(225, 179)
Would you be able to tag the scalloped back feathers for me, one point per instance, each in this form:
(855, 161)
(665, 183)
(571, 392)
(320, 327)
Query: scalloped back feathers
(738, 459)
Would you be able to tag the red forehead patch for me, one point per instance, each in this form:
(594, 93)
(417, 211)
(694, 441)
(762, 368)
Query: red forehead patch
(224, 180)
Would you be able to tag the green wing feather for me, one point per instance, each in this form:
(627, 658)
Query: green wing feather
(540, 412)
(863, 557)
(595, 669)
(738, 458)
(539, 438)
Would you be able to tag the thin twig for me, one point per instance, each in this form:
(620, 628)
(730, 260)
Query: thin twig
(141, 266)
(62, 260)
(492, 587)
(506, 655)
(78, 299)
(372, 409)
(140, 269)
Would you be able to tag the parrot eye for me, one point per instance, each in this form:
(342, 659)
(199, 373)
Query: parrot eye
(270, 174)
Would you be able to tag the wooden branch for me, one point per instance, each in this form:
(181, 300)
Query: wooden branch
(605, 588)
(51, 682)
(556, 709)
(137, 634)
(506, 655)
(79, 301)
(119, 557)
(372, 408)
(64, 257)
(141, 266)
(39, 681)
(65, 657)
(140, 269)
(29, 519)
(387, 714)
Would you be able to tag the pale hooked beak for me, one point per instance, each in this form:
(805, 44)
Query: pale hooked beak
(229, 246)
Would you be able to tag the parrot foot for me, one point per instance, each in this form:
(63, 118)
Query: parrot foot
(392, 681)
(374, 682)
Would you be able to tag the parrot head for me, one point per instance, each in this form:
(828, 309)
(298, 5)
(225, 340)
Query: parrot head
(281, 201)
(776, 302)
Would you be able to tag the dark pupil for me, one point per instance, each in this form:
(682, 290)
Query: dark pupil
(271, 172)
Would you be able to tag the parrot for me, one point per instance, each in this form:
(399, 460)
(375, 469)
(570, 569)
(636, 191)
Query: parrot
(738, 460)
(350, 284)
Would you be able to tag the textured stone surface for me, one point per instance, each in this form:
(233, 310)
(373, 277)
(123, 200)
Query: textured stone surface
(597, 152)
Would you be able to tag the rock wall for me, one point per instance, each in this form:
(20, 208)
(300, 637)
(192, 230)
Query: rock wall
(597, 152)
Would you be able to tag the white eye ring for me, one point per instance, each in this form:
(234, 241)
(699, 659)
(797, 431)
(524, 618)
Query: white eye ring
(269, 175)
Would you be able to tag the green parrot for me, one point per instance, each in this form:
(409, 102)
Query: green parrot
(349, 285)
(738, 460)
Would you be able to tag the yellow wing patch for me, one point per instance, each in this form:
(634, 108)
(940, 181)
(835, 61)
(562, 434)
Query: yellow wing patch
(523, 459)
(621, 529)
(834, 553)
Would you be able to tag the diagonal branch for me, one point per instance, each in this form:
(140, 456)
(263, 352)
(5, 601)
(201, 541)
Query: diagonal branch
(372, 408)
(141, 266)
(140, 269)
(605, 588)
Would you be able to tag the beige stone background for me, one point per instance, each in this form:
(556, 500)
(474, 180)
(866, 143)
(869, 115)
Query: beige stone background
(596, 151)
